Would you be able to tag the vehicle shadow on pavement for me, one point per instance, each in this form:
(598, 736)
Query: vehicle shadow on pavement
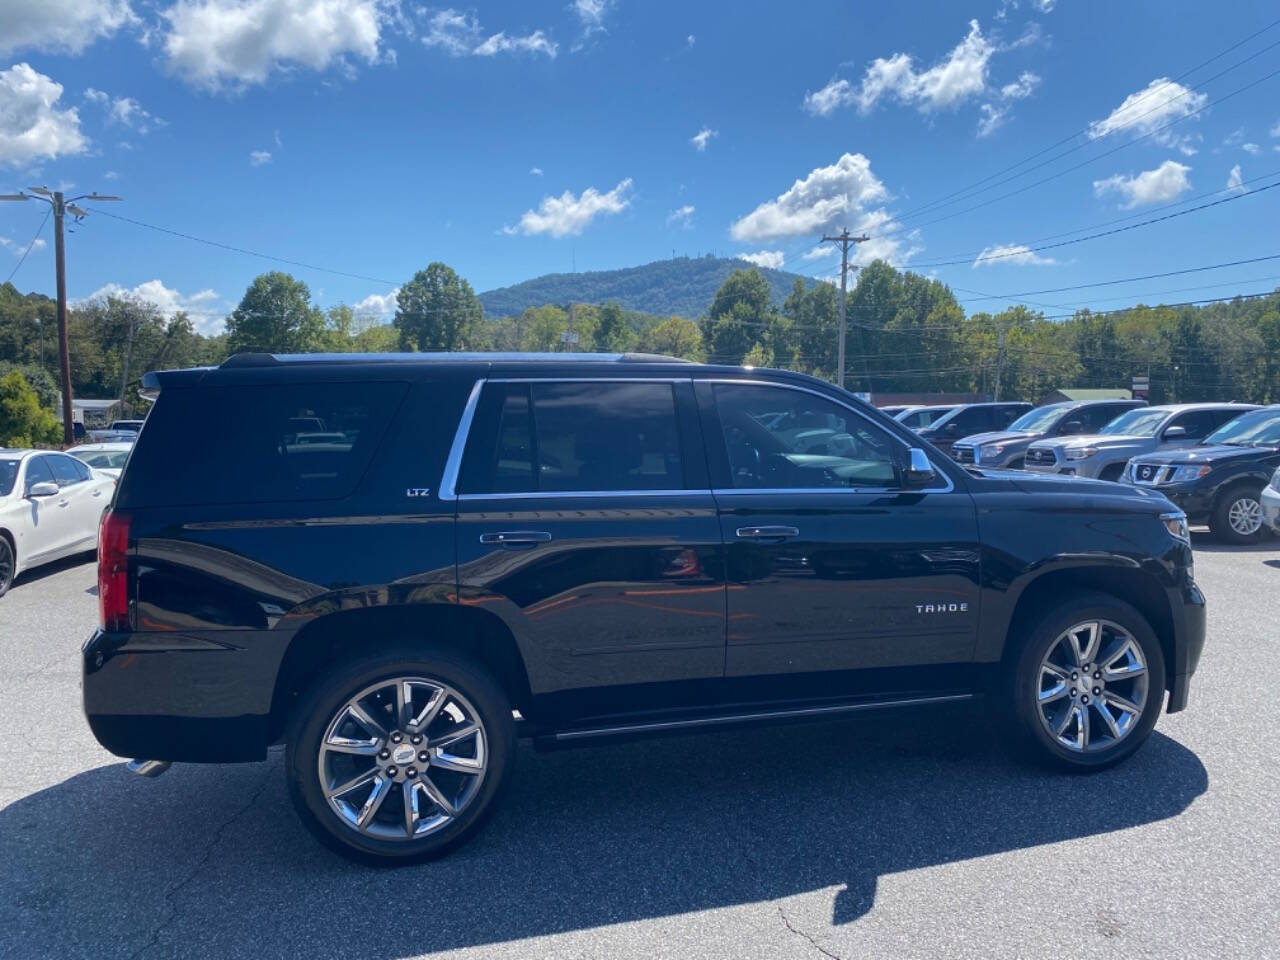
(33, 576)
(210, 861)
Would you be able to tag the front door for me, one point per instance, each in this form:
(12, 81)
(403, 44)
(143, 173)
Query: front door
(833, 565)
(586, 522)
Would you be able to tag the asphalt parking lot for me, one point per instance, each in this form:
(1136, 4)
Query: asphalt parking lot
(901, 836)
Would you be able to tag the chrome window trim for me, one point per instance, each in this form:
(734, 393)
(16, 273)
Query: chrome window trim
(553, 379)
(448, 489)
(567, 494)
(950, 486)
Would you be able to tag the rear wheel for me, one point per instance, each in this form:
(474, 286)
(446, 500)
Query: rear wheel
(1087, 684)
(399, 758)
(8, 563)
(1237, 516)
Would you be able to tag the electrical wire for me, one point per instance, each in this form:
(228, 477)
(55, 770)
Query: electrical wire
(39, 230)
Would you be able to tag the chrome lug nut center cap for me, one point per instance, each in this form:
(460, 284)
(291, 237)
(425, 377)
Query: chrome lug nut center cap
(403, 754)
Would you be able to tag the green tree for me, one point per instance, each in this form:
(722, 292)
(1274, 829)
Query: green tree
(23, 422)
(275, 315)
(758, 356)
(612, 335)
(437, 310)
(739, 316)
(674, 337)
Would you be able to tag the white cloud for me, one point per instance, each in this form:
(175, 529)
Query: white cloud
(773, 259)
(1275, 131)
(821, 251)
(1021, 88)
(535, 171)
(567, 215)
(1162, 101)
(19, 249)
(961, 76)
(1251, 148)
(111, 175)
(996, 112)
(375, 308)
(1016, 254)
(992, 119)
(459, 34)
(702, 138)
(125, 111)
(1235, 180)
(691, 39)
(217, 44)
(258, 158)
(32, 128)
(682, 216)
(591, 14)
(202, 307)
(60, 26)
(1165, 183)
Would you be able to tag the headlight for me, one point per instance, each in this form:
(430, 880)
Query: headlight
(991, 451)
(1079, 453)
(1189, 472)
(1176, 524)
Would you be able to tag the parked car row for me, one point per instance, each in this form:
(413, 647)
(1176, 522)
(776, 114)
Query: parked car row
(1218, 461)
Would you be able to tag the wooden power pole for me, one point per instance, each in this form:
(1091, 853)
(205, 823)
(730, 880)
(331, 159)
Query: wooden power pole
(844, 239)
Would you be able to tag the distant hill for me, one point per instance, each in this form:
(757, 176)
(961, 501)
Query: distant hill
(684, 285)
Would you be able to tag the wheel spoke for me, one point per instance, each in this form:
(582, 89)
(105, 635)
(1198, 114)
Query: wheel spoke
(1065, 720)
(1105, 712)
(455, 736)
(362, 748)
(1091, 633)
(362, 716)
(410, 790)
(1132, 667)
(439, 697)
(359, 780)
(447, 761)
(1128, 706)
(1053, 693)
(1082, 727)
(438, 798)
(381, 787)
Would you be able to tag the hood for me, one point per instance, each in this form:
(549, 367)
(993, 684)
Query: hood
(995, 436)
(1214, 454)
(1042, 483)
(1103, 441)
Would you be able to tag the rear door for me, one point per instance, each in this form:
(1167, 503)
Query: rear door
(585, 520)
(51, 524)
(833, 564)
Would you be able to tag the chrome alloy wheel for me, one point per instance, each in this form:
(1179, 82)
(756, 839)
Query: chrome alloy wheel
(403, 758)
(1092, 686)
(1245, 516)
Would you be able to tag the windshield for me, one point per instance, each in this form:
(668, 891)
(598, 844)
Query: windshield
(1039, 420)
(927, 417)
(1136, 423)
(8, 474)
(1258, 429)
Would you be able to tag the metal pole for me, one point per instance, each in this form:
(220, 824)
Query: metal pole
(844, 239)
(64, 347)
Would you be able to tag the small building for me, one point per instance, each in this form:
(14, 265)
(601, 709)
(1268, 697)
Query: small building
(92, 413)
(1080, 394)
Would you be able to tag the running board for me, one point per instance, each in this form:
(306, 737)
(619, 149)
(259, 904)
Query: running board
(585, 736)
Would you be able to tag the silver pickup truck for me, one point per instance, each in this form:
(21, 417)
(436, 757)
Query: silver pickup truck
(1007, 448)
(1103, 455)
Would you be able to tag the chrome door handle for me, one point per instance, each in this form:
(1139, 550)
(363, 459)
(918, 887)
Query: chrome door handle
(516, 539)
(767, 533)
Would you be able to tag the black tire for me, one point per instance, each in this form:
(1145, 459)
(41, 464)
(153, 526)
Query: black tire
(7, 564)
(1220, 518)
(320, 705)
(1024, 724)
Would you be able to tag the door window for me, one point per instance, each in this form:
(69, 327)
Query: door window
(1200, 423)
(64, 470)
(779, 438)
(1093, 418)
(37, 472)
(574, 437)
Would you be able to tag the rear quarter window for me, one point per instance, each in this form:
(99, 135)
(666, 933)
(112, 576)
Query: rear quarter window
(258, 443)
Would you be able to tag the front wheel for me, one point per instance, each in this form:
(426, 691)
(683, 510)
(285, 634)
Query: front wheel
(7, 565)
(399, 758)
(1087, 685)
(1237, 517)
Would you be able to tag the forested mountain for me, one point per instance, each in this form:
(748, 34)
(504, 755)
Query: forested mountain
(683, 285)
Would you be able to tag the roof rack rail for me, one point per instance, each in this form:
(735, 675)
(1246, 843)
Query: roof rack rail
(251, 360)
(651, 358)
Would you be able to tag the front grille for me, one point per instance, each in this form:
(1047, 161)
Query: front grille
(964, 454)
(1041, 457)
(1152, 473)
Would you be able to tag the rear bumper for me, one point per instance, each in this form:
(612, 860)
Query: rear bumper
(203, 698)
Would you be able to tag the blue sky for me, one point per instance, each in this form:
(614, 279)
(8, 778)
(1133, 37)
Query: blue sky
(371, 137)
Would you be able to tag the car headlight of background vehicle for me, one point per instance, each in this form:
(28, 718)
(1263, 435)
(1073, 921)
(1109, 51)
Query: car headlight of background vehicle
(991, 451)
(1176, 524)
(1189, 471)
(1079, 453)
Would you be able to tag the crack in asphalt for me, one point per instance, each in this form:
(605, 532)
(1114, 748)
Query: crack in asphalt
(812, 941)
(170, 895)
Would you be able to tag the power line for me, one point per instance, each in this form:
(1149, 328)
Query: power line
(40, 229)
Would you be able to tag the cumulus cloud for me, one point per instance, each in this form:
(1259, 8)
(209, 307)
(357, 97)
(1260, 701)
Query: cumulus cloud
(32, 127)
(591, 15)
(1165, 183)
(535, 171)
(820, 252)
(203, 307)
(773, 259)
(20, 249)
(682, 216)
(60, 26)
(960, 76)
(125, 111)
(1235, 180)
(258, 158)
(1161, 102)
(1011, 253)
(702, 138)
(375, 308)
(995, 112)
(567, 215)
(460, 34)
(220, 44)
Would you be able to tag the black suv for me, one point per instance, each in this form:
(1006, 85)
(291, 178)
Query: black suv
(579, 548)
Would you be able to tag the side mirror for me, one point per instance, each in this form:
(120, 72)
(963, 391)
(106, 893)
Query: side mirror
(952, 427)
(43, 489)
(919, 468)
(1175, 433)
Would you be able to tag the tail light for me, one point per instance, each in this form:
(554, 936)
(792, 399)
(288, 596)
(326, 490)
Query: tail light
(113, 571)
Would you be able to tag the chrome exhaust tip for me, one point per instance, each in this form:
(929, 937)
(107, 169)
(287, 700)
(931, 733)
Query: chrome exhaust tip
(148, 768)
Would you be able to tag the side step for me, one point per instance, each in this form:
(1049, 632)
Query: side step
(148, 768)
(587, 736)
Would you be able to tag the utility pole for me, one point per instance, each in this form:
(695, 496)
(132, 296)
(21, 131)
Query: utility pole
(61, 207)
(1000, 362)
(844, 239)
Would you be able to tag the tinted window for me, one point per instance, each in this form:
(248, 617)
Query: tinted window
(255, 444)
(8, 476)
(64, 470)
(1259, 428)
(777, 438)
(968, 421)
(565, 437)
(1200, 423)
(103, 458)
(37, 472)
(919, 419)
(1142, 422)
(1093, 419)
